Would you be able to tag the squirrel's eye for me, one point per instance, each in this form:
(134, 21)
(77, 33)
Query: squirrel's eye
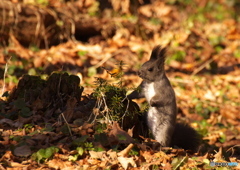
(150, 69)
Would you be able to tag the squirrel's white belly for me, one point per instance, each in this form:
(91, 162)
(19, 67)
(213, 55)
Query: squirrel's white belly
(149, 91)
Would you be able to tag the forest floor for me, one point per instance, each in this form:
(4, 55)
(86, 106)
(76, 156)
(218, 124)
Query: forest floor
(62, 63)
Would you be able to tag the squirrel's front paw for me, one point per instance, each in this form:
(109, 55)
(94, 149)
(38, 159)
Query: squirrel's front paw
(153, 103)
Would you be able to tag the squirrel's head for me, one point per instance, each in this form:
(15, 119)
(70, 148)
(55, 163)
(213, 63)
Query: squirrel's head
(153, 69)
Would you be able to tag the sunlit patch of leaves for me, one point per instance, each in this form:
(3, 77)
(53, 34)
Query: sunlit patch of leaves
(204, 109)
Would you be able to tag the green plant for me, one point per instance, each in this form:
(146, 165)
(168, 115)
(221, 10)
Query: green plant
(44, 154)
(80, 141)
(84, 146)
(82, 53)
(110, 97)
(112, 103)
(100, 127)
(28, 127)
(134, 151)
(80, 152)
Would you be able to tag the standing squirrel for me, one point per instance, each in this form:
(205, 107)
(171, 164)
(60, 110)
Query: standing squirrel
(161, 116)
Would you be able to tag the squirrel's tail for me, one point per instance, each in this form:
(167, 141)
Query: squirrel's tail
(185, 137)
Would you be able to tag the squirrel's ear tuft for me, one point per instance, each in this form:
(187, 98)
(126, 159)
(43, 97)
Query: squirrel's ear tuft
(158, 53)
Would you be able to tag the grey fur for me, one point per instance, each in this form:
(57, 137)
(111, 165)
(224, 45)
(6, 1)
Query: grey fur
(156, 88)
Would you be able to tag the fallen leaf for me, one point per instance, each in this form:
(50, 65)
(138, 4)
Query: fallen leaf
(120, 135)
(127, 162)
(68, 113)
(218, 157)
(97, 155)
(59, 164)
(23, 151)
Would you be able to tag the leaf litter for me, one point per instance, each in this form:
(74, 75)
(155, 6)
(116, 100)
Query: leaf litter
(45, 121)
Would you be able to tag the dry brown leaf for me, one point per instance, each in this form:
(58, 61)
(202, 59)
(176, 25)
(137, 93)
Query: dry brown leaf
(87, 126)
(68, 113)
(93, 161)
(146, 10)
(122, 6)
(148, 156)
(230, 113)
(17, 165)
(60, 164)
(6, 135)
(218, 157)
(130, 132)
(83, 132)
(21, 121)
(7, 156)
(120, 135)
(7, 121)
(127, 162)
(165, 9)
(19, 49)
(213, 138)
(97, 155)
(112, 154)
(23, 151)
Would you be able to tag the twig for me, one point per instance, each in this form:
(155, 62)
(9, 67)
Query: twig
(126, 150)
(185, 81)
(106, 109)
(122, 118)
(107, 56)
(232, 149)
(178, 165)
(202, 66)
(67, 124)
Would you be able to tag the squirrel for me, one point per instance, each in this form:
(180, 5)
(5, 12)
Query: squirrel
(161, 116)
